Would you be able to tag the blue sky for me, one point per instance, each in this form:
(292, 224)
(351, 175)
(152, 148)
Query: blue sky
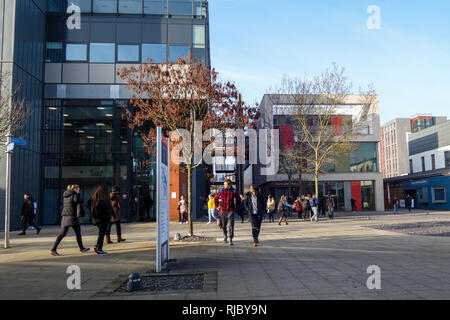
(255, 42)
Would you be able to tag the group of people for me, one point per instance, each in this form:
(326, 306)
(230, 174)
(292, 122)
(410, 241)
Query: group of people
(409, 203)
(105, 211)
(227, 202)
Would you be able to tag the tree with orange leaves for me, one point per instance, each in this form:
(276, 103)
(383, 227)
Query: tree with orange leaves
(188, 101)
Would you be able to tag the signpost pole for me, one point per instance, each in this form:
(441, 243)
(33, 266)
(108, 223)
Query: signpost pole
(162, 200)
(9, 152)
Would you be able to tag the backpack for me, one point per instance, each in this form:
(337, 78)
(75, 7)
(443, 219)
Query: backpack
(298, 206)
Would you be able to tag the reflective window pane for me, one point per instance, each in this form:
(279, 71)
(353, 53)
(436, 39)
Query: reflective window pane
(180, 7)
(155, 7)
(76, 52)
(56, 6)
(127, 53)
(53, 52)
(198, 34)
(105, 6)
(102, 52)
(364, 159)
(155, 52)
(130, 6)
(85, 5)
(176, 52)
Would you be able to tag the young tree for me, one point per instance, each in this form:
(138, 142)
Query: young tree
(330, 127)
(179, 98)
(13, 111)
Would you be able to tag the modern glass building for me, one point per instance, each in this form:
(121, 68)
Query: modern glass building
(355, 175)
(77, 134)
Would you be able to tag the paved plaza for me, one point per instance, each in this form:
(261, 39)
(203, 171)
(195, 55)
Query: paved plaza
(302, 260)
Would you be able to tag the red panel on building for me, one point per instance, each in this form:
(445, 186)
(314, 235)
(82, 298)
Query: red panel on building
(336, 124)
(356, 194)
(287, 137)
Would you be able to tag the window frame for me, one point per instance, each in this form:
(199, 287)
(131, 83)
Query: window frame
(104, 43)
(143, 45)
(76, 43)
(433, 194)
(128, 61)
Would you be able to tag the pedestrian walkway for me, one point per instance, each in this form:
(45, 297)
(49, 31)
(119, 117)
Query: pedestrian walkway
(302, 260)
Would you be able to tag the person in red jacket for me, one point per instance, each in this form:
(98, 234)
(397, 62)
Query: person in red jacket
(229, 202)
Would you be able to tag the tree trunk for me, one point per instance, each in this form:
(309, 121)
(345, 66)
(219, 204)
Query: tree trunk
(189, 201)
(300, 189)
(289, 186)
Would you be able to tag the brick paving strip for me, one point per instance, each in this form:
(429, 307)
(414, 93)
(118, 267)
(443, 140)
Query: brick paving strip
(303, 260)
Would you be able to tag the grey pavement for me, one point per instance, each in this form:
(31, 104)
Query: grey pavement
(299, 261)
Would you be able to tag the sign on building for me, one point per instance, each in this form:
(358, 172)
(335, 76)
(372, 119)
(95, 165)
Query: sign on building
(162, 200)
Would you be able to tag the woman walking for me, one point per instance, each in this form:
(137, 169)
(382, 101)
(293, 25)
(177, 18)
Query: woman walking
(256, 207)
(298, 207)
(102, 212)
(330, 206)
(182, 210)
(116, 204)
(271, 207)
(72, 208)
(211, 208)
(28, 215)
(282, 209)
(306, 208)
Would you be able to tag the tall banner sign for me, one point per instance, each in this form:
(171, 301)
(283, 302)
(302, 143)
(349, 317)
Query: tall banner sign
(162, 199)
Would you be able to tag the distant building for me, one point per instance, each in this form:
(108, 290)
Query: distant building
(428, 181)
(393, 146)
(355, 176)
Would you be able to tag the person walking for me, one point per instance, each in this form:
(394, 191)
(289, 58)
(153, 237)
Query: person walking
(298, 207)
(72, 209)
(102, 212)
(255, 206)
(408, 202)
(211, 208)
(330, 206)
(116, 203)
(229, 202)
(396, 205)
(271, 207)
(306, 207)
(282, 209)
(322, 207)
(314, 203)
(27, 214)
(182, 210)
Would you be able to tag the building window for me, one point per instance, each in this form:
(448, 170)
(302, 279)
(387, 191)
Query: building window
(180, 7)
(447, 159)
(127, 53)
(364, 159)
(85, 5)
(105, 6)
(155, 7)
(130, 6)
(433, 162)
(155, 52)
(53, 52)
(439, 194)
(176, 52)
(198, 34)
(199, 8)
(76, 52)
(423, 164)
(102, 52)
(411, 168)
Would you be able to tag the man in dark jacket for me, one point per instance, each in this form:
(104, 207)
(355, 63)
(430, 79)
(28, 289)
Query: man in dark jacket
(27, 214)
(229, 202)
(256, 206)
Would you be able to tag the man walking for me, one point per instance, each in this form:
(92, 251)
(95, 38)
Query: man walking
(313, 202)
(229, 202)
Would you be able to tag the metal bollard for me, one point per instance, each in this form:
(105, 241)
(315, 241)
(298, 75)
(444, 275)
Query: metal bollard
(134, 282)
